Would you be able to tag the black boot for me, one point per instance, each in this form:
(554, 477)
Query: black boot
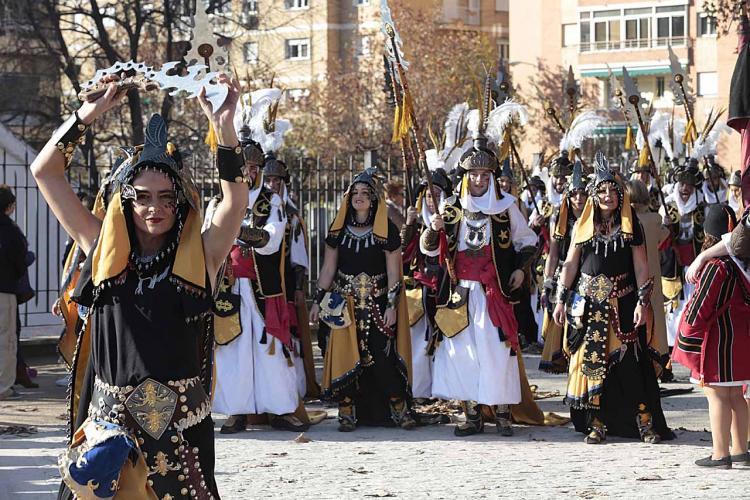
(347, 416)
(503, 420)
(597, 432)
(234, 424)
(473, 424)
(401, 414)
(646, 426)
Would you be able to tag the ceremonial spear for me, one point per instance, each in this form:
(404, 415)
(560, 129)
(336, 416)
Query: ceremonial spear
(634, 98)
(408, 119)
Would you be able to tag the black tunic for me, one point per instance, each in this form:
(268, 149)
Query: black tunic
(630, 379)
(385, 377)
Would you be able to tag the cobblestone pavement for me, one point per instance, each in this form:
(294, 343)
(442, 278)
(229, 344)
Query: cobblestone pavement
(428, 462)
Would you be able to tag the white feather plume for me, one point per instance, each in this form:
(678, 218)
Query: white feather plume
(679, 126)
(472, 122)
(456, 121)
(582, 127)
(659, 132)
(502, 116)
(260, 103)
(707, 145)
(243, 113)
(452, 155)
(434, 161)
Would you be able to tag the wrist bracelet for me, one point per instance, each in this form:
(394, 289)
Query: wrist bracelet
(319, 294)
(68, 135)
(644, 292)
(563, 293)
(393, 294)
(229, 162)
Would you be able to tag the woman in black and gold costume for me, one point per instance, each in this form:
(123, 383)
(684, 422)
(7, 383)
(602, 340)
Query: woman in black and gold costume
(143, 427)
(612, 385)
(360, 299)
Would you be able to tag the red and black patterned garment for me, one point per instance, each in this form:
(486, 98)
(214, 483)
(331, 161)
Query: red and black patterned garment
(714, 333)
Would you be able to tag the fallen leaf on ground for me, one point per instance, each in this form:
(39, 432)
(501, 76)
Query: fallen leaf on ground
(360, 470)
(282, 454)
(655, 477)
(18, 430)
(381, 494)
(301, 439)
(365, 452)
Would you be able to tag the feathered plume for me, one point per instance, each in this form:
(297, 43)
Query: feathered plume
(473, 122)
(582, 127)
(659, 132)
(455, 124)
(266, 129)
(707, 143)
(679, 126)
(434, 161)
(502, 116)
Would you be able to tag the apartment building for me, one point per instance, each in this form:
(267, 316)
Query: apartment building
(303, 41)
(594, 35)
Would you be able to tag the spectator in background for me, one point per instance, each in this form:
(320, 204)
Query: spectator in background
(12, 269)
(394, 191)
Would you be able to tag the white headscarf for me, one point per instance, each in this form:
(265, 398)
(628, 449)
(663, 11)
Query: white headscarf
(490, 203)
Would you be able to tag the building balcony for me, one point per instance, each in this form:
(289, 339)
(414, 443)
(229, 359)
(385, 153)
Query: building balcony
(634, 44)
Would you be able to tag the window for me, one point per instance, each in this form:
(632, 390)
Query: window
(570, 35)
(501, 5)
(250, 52)
(659, 86)
(585, 36)
(298, 48)
(297, 4)
(708, 83)
(503, 51)
(706, 25)
(670, 25)
(360, 3)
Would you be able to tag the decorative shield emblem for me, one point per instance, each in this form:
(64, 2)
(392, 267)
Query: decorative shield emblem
(152, 405)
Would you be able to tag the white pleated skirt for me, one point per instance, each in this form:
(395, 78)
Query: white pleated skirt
(250, 380)
(476, 365)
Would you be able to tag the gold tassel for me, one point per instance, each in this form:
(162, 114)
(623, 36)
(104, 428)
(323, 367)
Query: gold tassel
(689, 136)
(407, 110)
(211, 140)
(504, 147)
(643, 156)
(396, 124)
(272, 347)
(628, 139)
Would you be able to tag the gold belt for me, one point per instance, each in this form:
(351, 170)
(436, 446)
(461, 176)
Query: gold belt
(602, 287)
(152, 405)
(361, 285)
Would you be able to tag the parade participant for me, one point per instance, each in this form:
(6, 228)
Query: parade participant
(734, 194)
(426, 273)
(654, 233)
(612, 386)
(507, 183)
(255, 372)
(715, 187)
(685, 221)
(561, 227)
(642, 173)
(147, 282)
(491, 246)
(708, 343)
(394, 192)
(360, 298)
(535, 191)
(296, 264)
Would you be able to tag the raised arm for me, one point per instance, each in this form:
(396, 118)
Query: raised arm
(567, 275)
(225, 224)
(48, 169)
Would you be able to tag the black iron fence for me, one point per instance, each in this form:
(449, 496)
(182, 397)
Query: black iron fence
(317, 188)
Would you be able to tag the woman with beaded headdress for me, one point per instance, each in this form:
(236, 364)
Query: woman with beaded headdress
(553, 359)
(146, 288)
(359, 297)
(612, 386)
